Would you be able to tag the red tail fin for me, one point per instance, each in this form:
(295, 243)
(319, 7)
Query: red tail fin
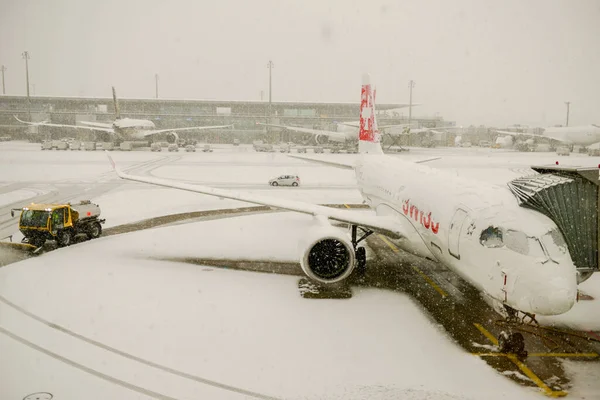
(368, 135)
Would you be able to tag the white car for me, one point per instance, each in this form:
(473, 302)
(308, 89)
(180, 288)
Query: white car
(173, 147)
(285, 180)
(190, 147)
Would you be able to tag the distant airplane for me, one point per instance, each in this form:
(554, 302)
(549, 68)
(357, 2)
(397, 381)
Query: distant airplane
(124, 129)
(569, 135)
(514, 255)
(347, 132)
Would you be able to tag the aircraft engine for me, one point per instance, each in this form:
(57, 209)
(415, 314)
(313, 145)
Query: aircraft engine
(504, 141)
(321, 139)
(327, 255)
(172, 137)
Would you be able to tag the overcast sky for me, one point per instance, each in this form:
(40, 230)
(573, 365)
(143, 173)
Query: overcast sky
(475, 62)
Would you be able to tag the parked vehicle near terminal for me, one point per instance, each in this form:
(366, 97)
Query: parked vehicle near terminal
(563, 151)
(285, 180)
(88, 146)
(155, 147)
(190, 148)
(173, 147)
(126, 146)
(207, 148)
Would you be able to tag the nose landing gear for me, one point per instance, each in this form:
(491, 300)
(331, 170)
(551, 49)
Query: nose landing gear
(514, 342)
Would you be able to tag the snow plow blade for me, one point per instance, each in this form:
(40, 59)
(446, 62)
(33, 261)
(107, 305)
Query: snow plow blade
(25, 247)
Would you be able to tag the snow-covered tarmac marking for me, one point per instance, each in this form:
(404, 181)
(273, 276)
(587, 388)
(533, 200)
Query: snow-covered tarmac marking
(464, 307)
(524, 368)
(117, 352)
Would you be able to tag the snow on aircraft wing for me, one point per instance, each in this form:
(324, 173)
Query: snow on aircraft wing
(67, 126)
(343, 165)
(378, 224)
(528, 135)
(330, 134)
(96, 124)
(199, 128)
(356, 124)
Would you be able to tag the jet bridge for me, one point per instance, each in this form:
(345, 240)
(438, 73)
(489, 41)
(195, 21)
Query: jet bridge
(571, 198)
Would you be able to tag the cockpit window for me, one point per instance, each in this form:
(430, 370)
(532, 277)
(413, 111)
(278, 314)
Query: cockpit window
(521, 243)
(517, 241)
(555, 243)
(491, 237)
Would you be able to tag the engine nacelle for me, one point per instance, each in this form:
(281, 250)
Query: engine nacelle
(327, 255)
(172, 137)
(321, 139)
(504, 141)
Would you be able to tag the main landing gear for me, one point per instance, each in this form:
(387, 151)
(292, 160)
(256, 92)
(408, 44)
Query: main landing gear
(514, 342)
(360, 252)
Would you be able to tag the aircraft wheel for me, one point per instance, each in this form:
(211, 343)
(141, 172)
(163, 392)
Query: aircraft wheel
(295, 184)
(361, 260)
(275, 184)
(513, 343)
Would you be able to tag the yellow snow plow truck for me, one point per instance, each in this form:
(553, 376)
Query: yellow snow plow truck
(59, 222)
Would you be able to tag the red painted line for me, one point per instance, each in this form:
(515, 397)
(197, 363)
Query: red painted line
(594, 335)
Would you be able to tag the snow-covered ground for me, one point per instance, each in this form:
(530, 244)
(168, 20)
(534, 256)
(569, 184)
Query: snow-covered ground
(16, 195)
(244, 329)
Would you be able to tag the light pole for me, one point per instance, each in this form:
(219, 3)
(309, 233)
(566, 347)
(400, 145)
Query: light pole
(411, 85)
(156, 84)
(270, 65)
(25, 55)
(568, 103)
(3, 68)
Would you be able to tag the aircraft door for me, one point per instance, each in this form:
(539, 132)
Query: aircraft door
(454, 233)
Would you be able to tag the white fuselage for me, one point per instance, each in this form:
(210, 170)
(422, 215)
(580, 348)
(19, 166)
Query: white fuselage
(132, 129)
(577, 135)
(457, 222)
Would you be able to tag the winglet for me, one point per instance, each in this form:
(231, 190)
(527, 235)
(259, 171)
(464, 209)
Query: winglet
(112, 162)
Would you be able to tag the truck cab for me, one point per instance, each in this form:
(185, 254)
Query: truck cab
(59, 222)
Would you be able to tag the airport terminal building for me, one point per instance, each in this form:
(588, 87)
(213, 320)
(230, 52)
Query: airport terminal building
(179, 113)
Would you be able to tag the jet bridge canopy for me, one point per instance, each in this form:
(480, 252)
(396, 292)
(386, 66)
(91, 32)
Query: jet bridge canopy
(570, 197)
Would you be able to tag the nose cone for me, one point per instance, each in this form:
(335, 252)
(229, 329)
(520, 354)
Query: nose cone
(554, 302)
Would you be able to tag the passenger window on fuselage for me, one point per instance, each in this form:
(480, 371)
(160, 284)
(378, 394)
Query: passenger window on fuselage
(491, 237)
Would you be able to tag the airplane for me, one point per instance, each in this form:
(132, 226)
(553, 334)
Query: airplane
(568, 135)
(347, 132)
(127, 129)
(516, 256)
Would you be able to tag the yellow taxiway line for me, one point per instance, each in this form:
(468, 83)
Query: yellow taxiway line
(560, 355)
(423, 275)
(524, 368)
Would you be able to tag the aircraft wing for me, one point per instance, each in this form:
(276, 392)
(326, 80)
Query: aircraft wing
(356, 124)
(532, 135)
(198, 128)
(97, 124)
(336, 136)
(378, 224)
(109, 130)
